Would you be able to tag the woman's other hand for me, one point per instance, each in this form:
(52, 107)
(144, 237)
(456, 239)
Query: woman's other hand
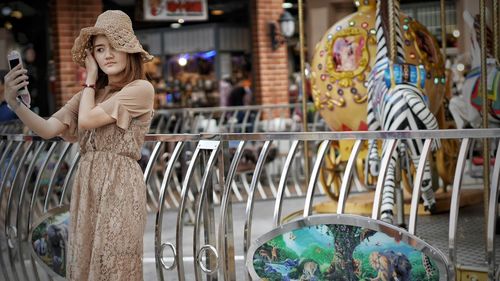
(91, 67)
(13, 82)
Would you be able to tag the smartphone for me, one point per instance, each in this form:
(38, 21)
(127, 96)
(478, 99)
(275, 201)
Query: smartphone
(14, 58)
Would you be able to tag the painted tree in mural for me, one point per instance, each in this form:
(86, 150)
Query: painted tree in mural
(343, 266)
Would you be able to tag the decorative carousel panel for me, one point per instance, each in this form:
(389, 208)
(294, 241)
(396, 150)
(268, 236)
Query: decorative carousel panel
(343, 247)
(344, 58)
(49, 238)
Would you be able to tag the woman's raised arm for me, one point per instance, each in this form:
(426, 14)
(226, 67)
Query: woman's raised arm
(45, 128)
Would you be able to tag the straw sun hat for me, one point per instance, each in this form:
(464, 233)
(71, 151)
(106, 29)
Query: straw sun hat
(117, 27)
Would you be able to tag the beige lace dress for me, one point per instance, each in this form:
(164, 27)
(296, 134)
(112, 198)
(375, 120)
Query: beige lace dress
(108, 200)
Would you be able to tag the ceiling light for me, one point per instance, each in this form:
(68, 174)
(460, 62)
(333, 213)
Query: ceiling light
(6, 10)
(287, 5)
(8, 25)
(175, 25)
(16, 14)
(217, 12)
(180, 21)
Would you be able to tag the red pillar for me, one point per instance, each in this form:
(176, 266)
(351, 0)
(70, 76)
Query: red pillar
(67, 18)
(270, 68)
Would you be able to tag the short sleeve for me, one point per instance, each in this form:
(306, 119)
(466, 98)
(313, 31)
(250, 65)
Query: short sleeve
(133, 100)
(68, 115)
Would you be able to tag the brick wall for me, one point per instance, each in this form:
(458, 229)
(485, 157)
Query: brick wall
(270, 68)
(67, 18)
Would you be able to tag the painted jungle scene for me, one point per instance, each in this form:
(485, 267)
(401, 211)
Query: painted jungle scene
(340, 252)
(49, 241)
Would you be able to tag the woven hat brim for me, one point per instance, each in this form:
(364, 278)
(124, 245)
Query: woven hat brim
(132, 45)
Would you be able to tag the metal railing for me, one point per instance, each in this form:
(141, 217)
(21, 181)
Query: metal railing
(36, 179)
(237, 119)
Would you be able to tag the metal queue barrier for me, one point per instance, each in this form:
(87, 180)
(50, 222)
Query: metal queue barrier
(209, 235)
(237, 119)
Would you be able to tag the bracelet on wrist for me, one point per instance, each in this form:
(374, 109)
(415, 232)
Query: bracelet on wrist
(92, 86)
(15, 105)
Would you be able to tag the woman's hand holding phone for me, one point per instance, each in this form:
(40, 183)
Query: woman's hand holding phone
(14, 82)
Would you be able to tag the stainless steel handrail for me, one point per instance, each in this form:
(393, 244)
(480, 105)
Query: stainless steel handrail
(20, 211)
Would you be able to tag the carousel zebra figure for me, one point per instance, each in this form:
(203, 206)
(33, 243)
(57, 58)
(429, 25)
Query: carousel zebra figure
(397, 105)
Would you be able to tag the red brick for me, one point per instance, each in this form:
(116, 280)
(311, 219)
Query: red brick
(67, 18)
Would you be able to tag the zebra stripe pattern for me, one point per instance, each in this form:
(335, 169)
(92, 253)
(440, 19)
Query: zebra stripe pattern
(401, 107)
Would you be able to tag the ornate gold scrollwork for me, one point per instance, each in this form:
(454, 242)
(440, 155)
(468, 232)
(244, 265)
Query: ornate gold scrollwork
(345, 78)
(327, 100)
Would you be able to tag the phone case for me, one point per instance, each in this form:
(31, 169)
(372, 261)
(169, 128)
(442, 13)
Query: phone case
(23, 93)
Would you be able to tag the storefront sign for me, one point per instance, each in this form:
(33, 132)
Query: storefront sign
(172, 10)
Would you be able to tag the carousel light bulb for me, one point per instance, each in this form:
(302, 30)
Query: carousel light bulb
(460, 67)
(182, 61)
(180, 21)
(456, 33)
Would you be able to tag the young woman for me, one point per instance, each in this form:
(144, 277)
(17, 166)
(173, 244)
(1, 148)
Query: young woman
(109, 118)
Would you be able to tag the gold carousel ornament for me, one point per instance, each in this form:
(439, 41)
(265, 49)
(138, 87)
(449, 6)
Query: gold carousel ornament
(344, 57)
(340, 67)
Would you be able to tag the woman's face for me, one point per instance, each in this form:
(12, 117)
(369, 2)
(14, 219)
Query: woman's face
(111, 61)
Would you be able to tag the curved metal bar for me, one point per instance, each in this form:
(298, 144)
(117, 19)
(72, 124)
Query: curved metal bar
(171, 119)
(247, 234)
(152, 160)
(215, 147)
(225, 204)
(245, 123)
(159, 215)
(4, 155)
(160, 256)
(37, 182)
(34, 199)
(148, 170)
(492, 216)
(20, 209)
(178, 125)
(180, 215)
(384, 165)
(199, 259)
(320, 156)
(345, 187)
(455, 197)
(12, 192)
(4, 178)
(54, 174)
(282, 183)
(160, 122)
(257, 121)
(71, 170)
(417, 183)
